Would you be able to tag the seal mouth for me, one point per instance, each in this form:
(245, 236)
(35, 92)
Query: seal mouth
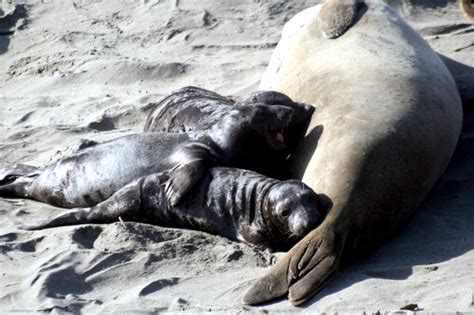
(276, 139)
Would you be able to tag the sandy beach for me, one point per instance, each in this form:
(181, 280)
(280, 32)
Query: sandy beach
(90, 70)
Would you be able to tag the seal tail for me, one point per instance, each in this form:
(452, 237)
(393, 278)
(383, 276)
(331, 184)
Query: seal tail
(467, 7)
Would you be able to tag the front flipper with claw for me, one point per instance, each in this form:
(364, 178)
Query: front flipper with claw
(336, 17)
(191, 164)
(303, 271)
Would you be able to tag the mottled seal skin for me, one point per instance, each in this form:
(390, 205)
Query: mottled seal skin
(94, 173)
(187, 109)
(238, 204)
(389, 117)
(192, 108)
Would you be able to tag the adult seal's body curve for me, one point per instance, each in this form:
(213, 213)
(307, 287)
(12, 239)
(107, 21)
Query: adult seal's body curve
(239, 204)
(389, 116)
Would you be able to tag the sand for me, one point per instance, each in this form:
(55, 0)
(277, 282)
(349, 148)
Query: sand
(90, 69)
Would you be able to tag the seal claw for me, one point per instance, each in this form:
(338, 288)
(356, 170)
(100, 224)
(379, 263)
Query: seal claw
(314, 281)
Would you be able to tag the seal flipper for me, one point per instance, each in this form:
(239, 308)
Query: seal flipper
(192, 162)
(336, 17)
(272, 286)
(125, 203)
(14, 181)
(182, 178)
(303, 271)
(9, 175)
(17, 189)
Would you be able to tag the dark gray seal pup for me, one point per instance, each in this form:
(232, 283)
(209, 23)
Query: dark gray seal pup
(238, 204)
(240, 139)
(192, 108)
(302, 113)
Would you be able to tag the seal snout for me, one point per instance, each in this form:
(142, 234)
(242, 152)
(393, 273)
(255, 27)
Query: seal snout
(276, 131)
(303, 220)
(296, 208)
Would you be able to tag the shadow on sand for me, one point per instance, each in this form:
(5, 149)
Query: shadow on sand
(9, 23)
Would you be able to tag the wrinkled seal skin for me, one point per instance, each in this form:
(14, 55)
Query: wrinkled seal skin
(187, 109)
(238, 204)
(192, 108)
(389, 116)
(94, 173)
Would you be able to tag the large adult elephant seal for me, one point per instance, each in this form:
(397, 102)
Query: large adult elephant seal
(238, 204)
(389, 116)
(93, 174)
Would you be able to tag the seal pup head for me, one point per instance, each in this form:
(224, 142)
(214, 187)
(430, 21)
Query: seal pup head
(258, 126)
(269, 122)
(301, 112)
(293, 209)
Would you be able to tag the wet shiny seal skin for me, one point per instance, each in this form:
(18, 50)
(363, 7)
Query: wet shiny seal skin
(192, 108)
(91, 175)
(238, 204)
(389, 117)
(301, 113)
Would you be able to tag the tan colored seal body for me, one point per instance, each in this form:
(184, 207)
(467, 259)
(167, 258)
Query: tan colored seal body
(467, 7)
(389, 116)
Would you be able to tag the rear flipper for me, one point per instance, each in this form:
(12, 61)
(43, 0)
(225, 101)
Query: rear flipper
(14, 181)
(124, 204)
(9, 175)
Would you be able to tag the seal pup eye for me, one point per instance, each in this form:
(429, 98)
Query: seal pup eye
(285, 212)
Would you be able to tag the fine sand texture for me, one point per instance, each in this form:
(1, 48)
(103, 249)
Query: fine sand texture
(91, 70)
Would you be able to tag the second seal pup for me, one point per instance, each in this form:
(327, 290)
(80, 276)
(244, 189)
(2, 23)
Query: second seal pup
(192, 108)
(93, 174)
(238, 204)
